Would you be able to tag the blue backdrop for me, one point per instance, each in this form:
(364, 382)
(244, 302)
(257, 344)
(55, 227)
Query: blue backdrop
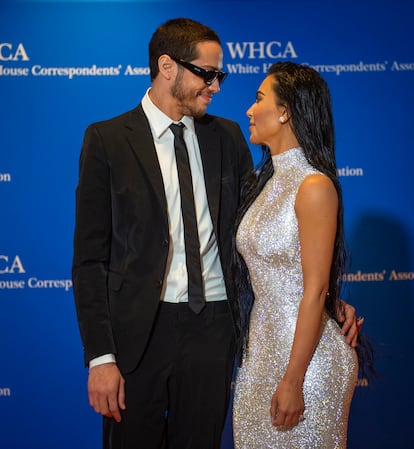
(64, 65)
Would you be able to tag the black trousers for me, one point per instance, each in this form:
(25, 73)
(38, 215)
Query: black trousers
(177, 398)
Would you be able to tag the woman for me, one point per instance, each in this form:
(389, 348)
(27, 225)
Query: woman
(290, 238)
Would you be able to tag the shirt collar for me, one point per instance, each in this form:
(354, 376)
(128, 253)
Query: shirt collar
(160, 121)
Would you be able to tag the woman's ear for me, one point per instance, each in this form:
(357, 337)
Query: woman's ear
(284, 117)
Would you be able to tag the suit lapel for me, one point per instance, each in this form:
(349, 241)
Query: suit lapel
(210, 148)
(141, 141)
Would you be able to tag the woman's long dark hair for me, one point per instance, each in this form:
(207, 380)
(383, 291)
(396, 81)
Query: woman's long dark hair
(305, 95)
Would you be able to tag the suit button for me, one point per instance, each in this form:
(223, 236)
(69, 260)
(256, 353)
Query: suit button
(165, 242)
(159, 283)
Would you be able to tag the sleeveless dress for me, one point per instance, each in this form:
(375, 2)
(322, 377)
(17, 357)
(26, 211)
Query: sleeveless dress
(268, 240)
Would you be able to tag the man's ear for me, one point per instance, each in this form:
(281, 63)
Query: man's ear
(166, 66)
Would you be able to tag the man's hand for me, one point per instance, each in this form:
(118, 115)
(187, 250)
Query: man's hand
(351, 325)
(106, 390)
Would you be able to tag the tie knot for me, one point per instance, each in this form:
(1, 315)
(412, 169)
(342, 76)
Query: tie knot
(177, 129)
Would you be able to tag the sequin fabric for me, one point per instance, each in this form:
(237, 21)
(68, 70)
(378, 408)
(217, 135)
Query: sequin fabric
(268, 239)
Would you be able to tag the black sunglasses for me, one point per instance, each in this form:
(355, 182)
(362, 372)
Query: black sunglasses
(209, 76)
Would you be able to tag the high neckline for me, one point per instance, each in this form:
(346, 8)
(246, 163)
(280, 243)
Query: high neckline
(291, 153)
(285, 153)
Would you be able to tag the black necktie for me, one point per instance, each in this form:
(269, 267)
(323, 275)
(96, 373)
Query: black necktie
(196, 299)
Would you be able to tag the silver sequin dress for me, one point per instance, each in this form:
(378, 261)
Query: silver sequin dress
(268, 239)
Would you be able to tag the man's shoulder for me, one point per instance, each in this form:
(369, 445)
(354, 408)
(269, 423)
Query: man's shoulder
(118, 120)
(222, 123)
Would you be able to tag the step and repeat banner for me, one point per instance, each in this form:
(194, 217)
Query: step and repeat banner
(64, 65)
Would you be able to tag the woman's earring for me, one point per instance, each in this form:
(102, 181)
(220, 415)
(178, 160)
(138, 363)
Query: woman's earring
(282, 119)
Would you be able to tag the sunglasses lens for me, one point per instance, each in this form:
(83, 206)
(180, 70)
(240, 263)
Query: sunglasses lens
(211, 76)
(222, 76)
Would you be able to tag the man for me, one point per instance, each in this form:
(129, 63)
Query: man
(160, 358)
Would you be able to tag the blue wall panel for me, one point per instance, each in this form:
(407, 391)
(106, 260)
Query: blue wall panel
(364, 51)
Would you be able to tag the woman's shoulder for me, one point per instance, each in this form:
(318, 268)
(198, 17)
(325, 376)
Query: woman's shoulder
(315, 192)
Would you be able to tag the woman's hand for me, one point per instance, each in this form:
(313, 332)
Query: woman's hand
(287, 405)
(351, 325)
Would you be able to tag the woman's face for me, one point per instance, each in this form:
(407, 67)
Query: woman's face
(264, 115)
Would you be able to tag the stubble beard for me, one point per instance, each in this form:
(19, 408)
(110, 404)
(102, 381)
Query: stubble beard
(186, 99)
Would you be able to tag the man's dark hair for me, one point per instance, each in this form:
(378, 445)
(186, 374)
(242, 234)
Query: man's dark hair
(178, 38)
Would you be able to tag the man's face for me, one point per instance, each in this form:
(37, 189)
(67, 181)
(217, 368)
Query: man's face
(193, 95)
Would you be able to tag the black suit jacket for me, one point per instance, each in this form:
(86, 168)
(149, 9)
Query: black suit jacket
(121, 238)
